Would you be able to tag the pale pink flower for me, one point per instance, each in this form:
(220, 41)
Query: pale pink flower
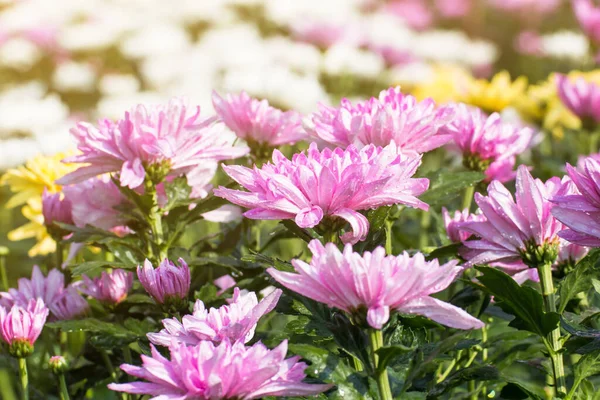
(414, 13)
(521, 230)
(234, 322)
(453, 223)
(111, 288)
(454, 8)
(21, 326)
(581, 97)
(580, 211)
(56, 209)
(224, 283)
(226, 371)
(325, 34)
(588, 16)
(392, 118)
(167, 282)
(94, 203)
(329, 184)
(69, 305)
(167, 140)
(375, 284)
(527, 7)
(529, 43)
(487, 143)
(49, 289)
(256, 121)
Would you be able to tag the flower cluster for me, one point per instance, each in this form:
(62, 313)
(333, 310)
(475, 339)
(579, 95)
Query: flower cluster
(328, 185)
(394, 117)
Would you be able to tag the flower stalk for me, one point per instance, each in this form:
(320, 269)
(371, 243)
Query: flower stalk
(381, 376)
(24, 378)
(155, 221)
(553, 340)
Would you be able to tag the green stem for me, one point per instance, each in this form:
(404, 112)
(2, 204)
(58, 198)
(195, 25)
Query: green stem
(357, 364)
(593, 142)
(388, 236)
(59, 255)
(3, 277)
(331, 236)
(445, 374)
(155, 220)
(552, 342)
(62, 384)
(383, 382)
(468, 197)
(111, 370)
(24, 378)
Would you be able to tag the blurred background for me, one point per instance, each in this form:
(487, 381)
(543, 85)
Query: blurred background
(64, 61)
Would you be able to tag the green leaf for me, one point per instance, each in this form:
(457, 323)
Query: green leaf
(207, 293)
(477, 373)
(446, 186)
(178, 193)
(524, 302)
(388, 353)
(587, 366)
(90, 267)
(450, 250)
(331, 368)
(90, 325)
(579, 280)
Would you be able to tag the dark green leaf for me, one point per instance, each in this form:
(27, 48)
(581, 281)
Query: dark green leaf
(330, 368)
(444, 252)
(91, 267)
(178, 193)
(388, 353)
(579, 280)
(524, 302)
(446, 186)
(476, 373)
(89, 325)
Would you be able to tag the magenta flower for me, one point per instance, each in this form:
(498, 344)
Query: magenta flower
(393, 117)
(588, 16)
(56, 209)
(224, 283)
(579, 211)
(168, 282)
(486, 143)
(233, 322)
(453, 224)
(256, 121)
(581, 97)
(69, 305)
(331, 185)
(377, 284)
(325, 34)
(94, 203)
(226, 371)
(524, 230)
(111, 288)
(21, 326)
(161, 140)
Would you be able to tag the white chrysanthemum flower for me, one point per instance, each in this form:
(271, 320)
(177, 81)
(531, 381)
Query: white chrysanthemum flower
(74, 76)
(565, 44)
(19, 53)
(342, 58)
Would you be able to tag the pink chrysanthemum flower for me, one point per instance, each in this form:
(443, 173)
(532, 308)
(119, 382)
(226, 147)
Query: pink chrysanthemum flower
(579, 211)
(168, 282)
(527, 6)
(94, 203)
(149, 142)
(373, 284)
(588, 16)
(69, 305)
(521, 230)
(56, 208)
(453, 223)
(233, 322)
(226, 371)
(111, 288)
(333, 185)
(393, 117)
(486, 143)
(581, 97)
(21, 326)
(256, 121)
(48, 289)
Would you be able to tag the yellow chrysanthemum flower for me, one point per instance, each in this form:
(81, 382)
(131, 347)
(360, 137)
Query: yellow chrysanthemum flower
(494, 95)
(28, 183)
(445, 84)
